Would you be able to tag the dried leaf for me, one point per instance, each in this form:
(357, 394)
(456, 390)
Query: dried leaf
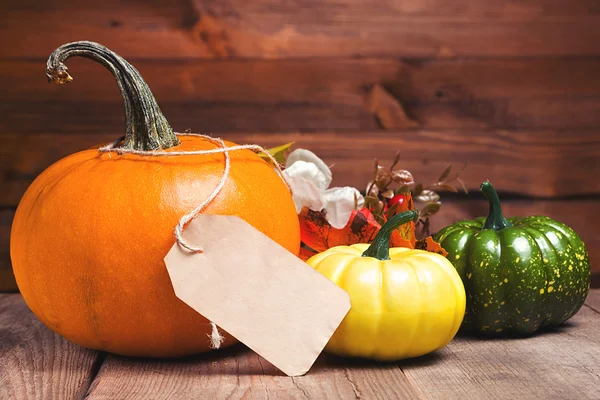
(388, 194)
(402, 176)
(371, 201)
(407, 232)
(403, 189)
(430, 209)
(279, 152)
(445, 174)
(319, 235)
(377, 208)
(380, 218)
(424, 225)
(427, 196)
(391, 211)
(396, 160)
(462, 184)
(372, 189)
(431, 245)
(384, 178)
(447, 187)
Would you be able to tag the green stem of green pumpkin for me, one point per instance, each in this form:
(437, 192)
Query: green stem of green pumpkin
(495, 219)
(147, 128)
(380, 248)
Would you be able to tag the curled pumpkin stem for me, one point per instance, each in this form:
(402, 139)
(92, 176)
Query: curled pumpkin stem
(146, 126)
(380, 248)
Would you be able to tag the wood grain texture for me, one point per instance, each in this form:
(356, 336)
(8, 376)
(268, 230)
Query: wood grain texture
(8, 284)
(536, 163)
(389, 112)
(146, 29)
(561, 363)
(239, 373)
(593, 300)
(317, 80)
(35, 362)
(270, 29)
(210, 81)
(299, 117)
(314, 94)
(351, 28)
(91, 117)
(7, 279)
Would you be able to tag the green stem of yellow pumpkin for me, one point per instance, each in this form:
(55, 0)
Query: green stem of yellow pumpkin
(380, 248)
(147, 128)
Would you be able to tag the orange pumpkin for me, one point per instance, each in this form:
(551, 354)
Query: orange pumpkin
(90, 234)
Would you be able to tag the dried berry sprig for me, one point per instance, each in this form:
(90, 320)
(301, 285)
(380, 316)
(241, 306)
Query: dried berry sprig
(389, 182)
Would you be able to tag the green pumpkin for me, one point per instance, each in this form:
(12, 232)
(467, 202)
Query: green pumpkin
(520, 274)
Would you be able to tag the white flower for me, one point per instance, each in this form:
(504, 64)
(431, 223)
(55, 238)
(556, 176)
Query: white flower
(309, 178)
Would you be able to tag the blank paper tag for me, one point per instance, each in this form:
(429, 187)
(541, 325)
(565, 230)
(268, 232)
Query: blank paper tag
(257, 291)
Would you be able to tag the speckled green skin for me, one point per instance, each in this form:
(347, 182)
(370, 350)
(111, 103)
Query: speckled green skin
(518, 278)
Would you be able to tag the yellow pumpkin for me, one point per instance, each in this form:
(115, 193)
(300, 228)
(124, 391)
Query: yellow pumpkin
(405, 303)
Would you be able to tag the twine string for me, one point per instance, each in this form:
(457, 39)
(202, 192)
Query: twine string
(215, 337)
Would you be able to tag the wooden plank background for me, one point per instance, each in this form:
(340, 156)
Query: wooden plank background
(510, 86)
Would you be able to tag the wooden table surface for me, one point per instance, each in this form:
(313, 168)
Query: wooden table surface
(560, 364)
